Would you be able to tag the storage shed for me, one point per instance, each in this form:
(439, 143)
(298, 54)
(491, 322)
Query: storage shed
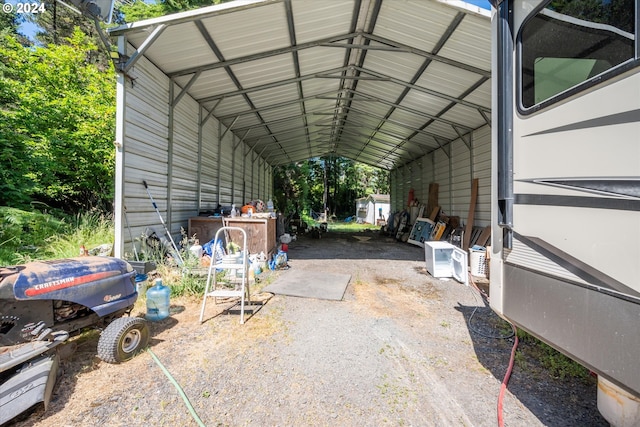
(209, 101)
(373, 207)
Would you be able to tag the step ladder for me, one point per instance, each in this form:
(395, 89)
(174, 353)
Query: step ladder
(235, 283)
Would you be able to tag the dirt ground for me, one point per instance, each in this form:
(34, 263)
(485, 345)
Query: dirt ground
(401, 349)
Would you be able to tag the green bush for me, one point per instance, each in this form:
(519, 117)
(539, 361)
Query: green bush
(24, 235)
(28, 235)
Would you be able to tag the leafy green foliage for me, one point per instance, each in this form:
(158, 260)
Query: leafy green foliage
(139, 9)
(9, 24)
(27, 236)
(334, 181)
(57, 121)
(557, 364)
(92, 229)
(24, 235)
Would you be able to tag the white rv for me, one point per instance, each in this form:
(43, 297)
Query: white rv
(565, 262)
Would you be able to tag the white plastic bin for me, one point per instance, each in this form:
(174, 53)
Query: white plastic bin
(478, 262)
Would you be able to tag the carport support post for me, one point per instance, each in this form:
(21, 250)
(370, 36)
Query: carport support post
(253, 170)
(233, 168)
(170, 152)
(118, 246)
(244, 169)
(199, 179)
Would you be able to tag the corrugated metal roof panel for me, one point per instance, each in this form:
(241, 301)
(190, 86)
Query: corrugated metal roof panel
(469, 43)
(374, 80)
(319, 59)
(416, 23)
(321, 19)
(250, 31)
(399, 65)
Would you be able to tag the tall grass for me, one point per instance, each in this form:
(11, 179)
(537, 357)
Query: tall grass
(89, 229)
(340, 226)
(27, 236)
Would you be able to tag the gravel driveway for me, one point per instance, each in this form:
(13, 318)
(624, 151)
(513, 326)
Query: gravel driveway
(397, 350)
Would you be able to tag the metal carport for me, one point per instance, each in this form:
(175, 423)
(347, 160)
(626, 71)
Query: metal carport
(210, 100)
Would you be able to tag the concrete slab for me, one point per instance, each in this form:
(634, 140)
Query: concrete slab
(310, 284)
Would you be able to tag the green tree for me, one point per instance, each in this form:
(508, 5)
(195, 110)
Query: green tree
(57, 124)
(305, 186)
(138, 10)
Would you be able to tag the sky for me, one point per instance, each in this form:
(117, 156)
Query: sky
(29, 29)
(482, 3)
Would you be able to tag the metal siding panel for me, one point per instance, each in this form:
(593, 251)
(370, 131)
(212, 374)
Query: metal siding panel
(447, 79)
(276, 95)
(319, 87)
(259, 72)
(424, 102)
(460, 179)
(420, 192)
(230, 106)
(184, 191)
(250, 31)
(398, 65)
(385, 90)
(482, 95)
(471, 42)
(254, 30)
(291, 111)
(225, 170)
(239, 173)
(482, 171)
(441, 129)
(145, 150)
(210, 81)
(441, 173)
(210, 165)
(185, 44)
(464, 116)
(428, 174)
(321, 19)
(320, 59)
(416, 23)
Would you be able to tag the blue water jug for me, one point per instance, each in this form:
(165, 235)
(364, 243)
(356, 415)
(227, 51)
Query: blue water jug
(158, 301)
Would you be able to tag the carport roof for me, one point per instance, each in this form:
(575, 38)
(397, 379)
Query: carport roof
(382, 82)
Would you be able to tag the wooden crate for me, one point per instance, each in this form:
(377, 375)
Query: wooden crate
(204, 228)
(261, 232)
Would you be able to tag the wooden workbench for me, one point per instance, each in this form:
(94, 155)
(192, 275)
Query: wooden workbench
(261, 232)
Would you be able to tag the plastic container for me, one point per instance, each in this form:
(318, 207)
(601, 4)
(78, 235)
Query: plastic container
(158, 301)
(196, 250)
(478, 262)
(141, 284)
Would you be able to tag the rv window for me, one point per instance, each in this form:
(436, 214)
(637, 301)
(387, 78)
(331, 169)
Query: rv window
(568, 43)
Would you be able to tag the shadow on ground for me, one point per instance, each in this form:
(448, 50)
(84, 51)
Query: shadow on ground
(530, 382)
(362, 245)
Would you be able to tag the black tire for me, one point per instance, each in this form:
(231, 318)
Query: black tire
(123, 339)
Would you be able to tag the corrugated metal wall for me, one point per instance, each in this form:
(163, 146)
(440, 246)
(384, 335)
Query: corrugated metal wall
(209, 164)
(145, 153)
(453, 168)
(189, 168)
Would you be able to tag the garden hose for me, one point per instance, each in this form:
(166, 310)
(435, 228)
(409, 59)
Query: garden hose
(177, 386)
